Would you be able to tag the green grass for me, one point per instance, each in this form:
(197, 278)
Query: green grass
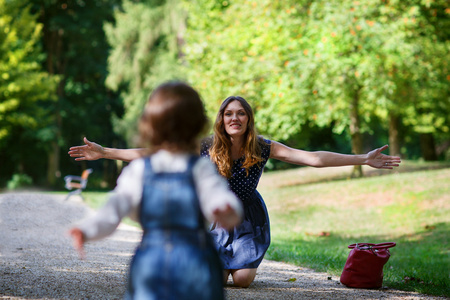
(316, 213)
(314, 217)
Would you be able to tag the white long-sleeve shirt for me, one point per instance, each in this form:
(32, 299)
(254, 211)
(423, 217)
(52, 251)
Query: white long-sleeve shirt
(212, 190)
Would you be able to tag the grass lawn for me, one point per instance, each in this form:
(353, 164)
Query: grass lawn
(316, 213)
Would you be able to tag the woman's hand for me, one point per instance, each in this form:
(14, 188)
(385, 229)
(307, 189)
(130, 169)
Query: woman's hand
(226, 217)
(78, 241)
(90, 151)
(378, 160)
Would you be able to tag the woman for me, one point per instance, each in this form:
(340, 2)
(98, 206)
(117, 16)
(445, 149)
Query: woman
(240, 156)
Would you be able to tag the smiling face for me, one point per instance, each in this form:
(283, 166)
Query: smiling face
(235, 119)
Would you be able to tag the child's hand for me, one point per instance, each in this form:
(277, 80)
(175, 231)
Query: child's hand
(78, 241)
(226, 217)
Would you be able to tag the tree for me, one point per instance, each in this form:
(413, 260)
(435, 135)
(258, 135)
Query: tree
(76, 48)
(244, 48)
(428, 112)
(345, 64)
(26, 91)
(146, 41)
(369, 60)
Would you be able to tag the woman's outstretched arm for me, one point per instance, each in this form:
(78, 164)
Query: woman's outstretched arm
(320, 159)
(93, 151)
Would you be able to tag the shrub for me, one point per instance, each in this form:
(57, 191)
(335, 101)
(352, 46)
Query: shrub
(18, 181)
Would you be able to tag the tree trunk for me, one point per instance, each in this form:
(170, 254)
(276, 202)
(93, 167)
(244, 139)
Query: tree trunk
(394, 138)
(56, 64)
(428, 147)
(53, 164)
(355, 132)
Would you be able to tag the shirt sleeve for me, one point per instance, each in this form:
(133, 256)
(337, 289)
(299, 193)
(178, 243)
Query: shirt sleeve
(123, 201)
(212, 190)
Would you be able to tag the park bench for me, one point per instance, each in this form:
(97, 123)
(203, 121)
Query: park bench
(77, 183)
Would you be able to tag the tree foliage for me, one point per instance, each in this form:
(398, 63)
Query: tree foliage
(26, 90)
(77, 51)
(347, 64)
(146, 42)
(241, 48)
(360, 68)
(370, 60)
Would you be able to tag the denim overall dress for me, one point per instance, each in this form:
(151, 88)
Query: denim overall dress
(176, 258)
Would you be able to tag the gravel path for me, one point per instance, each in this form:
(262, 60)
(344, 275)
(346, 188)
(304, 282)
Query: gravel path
(37, 260)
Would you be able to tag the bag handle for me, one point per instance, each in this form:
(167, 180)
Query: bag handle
(367, 246)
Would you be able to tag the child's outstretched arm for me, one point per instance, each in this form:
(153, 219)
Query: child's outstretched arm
(123, 201)
(218, 203)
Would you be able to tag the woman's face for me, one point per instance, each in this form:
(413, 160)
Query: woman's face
(235, 119)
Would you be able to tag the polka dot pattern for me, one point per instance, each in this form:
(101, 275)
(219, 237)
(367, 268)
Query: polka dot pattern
(241, 184)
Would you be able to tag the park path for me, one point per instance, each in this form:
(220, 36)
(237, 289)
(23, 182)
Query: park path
(37, 260)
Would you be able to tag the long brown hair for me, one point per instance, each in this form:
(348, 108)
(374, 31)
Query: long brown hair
(220, 151)
(173, 118)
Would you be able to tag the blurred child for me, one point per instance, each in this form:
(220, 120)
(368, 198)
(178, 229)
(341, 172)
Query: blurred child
(169, 192)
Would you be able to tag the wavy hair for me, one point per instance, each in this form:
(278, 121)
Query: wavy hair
(220, 151)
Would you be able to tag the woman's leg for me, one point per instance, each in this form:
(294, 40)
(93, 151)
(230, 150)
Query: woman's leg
(243, 277)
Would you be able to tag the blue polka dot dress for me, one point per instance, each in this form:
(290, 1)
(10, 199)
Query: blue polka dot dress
(244, 246)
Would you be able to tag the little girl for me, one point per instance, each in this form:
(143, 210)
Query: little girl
(169, 192)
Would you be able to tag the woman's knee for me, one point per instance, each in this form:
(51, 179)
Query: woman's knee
(244, 277)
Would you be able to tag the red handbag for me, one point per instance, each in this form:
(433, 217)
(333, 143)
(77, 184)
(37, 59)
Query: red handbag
(364, 266)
